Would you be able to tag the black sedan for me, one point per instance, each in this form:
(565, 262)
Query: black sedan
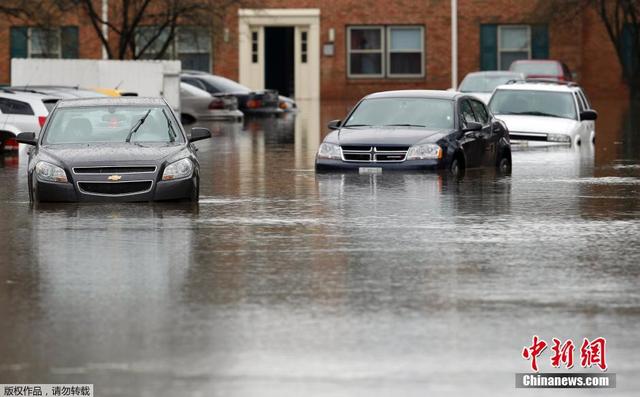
(249, 102)
(416, 130)
(113, 149)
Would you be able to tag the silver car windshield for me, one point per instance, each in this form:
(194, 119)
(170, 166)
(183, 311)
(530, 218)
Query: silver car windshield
(111, 124)
(417, 112)
(534, 103)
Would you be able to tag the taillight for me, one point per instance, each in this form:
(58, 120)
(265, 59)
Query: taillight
(42, 120)
(254, 103)
(11, 144)
(217, 103)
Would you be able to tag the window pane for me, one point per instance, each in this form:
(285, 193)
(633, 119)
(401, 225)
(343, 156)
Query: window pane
(144, 35)
(514, 38)
(192, 39)
(506, 58)
(366, 64)
(195, 62)
(44, 43)
(365, 39)
(406, 39)
(405, 63)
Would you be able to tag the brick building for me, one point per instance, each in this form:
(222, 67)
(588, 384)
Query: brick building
(347, 48)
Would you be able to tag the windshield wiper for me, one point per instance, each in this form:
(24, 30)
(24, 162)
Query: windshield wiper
(404, 125)
(170, 131)
(535, 113)
(137, 125)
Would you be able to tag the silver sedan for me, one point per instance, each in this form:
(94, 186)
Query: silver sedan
(197, 104)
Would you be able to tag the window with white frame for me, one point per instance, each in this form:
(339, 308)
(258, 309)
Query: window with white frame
(514, 43)
(44, 43)
(191, 45)
(385, 51)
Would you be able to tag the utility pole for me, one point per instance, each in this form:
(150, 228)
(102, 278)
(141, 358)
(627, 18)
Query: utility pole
(454, 44)
(105, 28)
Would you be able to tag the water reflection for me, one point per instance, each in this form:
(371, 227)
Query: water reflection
(284, 282)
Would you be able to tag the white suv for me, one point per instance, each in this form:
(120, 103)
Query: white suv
(21, 112)
(548, 111)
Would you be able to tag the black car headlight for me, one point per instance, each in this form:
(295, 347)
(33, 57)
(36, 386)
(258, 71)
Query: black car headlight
(427, 151)
(178, 169)
(50, 172)
(329, 151)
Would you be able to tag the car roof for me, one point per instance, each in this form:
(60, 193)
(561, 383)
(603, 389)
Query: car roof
(63, 91)
(539, 86)
(112, 101)
(434, 94)
(537, 61)
(25, 96)
(495, 73)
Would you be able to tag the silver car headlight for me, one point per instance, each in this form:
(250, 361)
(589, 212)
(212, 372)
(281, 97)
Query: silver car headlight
(50, 173)
(558, 138)
(330, 151)
(427, 151)
(178, 169)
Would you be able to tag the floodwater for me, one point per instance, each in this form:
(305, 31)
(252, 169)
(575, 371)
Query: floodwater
(287, 283)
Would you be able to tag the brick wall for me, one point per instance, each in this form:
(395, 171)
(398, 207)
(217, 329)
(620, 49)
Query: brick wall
(582, 43)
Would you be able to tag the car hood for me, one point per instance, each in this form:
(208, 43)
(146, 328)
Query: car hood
(553, 125)
(387, 136)
(88, 154)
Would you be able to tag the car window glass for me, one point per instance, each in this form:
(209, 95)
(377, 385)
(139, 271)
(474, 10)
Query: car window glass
(581, 105)
(467, 112)
(480, 111)
(194, 82)
(425, 112)
(11, 106)
(584, 98)
(533, 103)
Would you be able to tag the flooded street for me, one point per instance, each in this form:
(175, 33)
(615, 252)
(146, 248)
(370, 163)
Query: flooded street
(287, 283)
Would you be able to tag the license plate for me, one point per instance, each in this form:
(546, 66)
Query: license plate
(370, 170)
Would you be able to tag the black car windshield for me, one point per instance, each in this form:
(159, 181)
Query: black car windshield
(217, 84)
(533, 103)
(111, 124)
(485, 83)
(419, 112)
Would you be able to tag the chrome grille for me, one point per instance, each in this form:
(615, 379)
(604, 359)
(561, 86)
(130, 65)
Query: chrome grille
(374, 154)
(114, 169)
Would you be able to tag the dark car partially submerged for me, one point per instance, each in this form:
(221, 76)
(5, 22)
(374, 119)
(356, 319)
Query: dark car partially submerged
(113, 149)
(249, 101)
(416, 130)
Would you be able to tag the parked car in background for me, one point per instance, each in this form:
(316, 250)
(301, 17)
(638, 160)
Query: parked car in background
(249, 102)
(198, 104)
(113, 149)
(416, 130)
(22, 112)
(543, 111)
(482, 84)
(542, 69)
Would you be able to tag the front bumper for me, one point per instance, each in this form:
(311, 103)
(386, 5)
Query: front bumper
(160, 191)
(327, 165)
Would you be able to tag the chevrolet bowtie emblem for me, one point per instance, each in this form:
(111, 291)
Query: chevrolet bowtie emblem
(114, 178)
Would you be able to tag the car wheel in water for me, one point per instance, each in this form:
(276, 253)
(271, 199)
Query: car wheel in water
(457, 168)
(504, 165)
(195, 193)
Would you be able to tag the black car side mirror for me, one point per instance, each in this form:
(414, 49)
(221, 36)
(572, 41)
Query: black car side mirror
(472, 126)
(588, 114)
(199, 133)
(28, 138)
(334, 124)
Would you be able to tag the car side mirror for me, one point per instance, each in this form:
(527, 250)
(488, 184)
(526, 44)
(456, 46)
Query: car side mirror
(28, 138)
(334, 124)
(588, 114)
(199, 133)
(472, 126)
